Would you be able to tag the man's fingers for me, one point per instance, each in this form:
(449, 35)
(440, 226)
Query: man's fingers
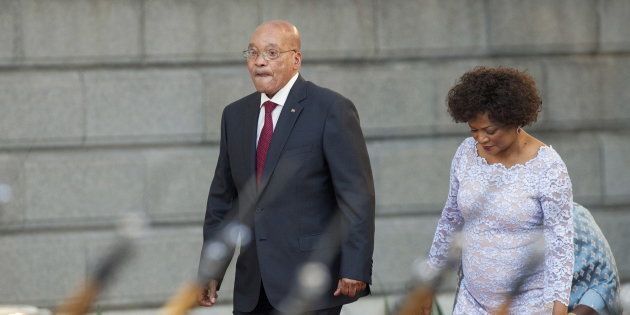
(208, 296)
(352, 291)
(349, 287)
(212, 291)
(203, 298)
(338, 291)
(361, 286)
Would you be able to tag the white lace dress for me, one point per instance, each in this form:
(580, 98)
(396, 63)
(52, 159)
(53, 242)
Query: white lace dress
(501, 213)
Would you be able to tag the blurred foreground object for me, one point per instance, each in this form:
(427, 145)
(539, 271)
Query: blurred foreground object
(131, 227)
(312, 283)
(535, 261)
(21, 310)
(427, 280)
(213, 257)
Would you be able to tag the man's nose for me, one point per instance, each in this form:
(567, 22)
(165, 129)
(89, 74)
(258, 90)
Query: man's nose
(260, 61)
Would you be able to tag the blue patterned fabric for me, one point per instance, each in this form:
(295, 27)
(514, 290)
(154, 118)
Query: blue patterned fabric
(594, 271)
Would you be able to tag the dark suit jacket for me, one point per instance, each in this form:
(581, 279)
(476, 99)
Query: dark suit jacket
(315, 200)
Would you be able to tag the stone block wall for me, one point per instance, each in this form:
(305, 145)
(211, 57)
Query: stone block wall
(112, 106)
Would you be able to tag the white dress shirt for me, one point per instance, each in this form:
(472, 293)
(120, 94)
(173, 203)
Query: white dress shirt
(279, 98)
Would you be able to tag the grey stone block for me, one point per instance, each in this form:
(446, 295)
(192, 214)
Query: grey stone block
(7, 34)
(430, 27)
(397, 96)
(226, 26)
(66, 30)
(199, 29)
(171, 27)
(614, 25)
(581, 152)
(178, 181)
(616, 171)
(615, 92)
(223, 85)
(40, 108)
(519, 27)
(399, 241)
(412, 175)
(152, 105)
(614, 225)
(584, 92)
(574, 91)
(11, 189)
(328, 28)
(41, 269)
(77, 185)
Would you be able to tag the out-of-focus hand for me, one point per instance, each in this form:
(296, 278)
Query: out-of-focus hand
(349, 287)
(208, 296)
(426, 303)
(559, 308)
(583, 310)
(417, 302)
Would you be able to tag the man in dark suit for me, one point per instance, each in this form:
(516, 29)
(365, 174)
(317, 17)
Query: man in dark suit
(294, 168)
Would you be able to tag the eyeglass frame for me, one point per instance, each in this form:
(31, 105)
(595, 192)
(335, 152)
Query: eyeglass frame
(247, 54)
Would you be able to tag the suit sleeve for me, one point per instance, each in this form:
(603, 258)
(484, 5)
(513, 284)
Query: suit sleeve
(347, 157)
(219, 208)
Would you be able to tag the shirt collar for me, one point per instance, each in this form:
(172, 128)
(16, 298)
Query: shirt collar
(281, 96)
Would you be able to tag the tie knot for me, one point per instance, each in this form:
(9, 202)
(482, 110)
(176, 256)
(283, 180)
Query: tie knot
(269, 106)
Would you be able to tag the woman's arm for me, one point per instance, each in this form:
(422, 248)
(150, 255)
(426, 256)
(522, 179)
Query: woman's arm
(556, 201)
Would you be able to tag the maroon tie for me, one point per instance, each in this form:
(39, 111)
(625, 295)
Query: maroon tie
(264, 140)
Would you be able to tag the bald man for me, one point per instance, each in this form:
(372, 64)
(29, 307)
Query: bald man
(294, 168)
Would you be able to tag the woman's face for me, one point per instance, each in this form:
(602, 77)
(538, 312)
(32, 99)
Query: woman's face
(493, 138)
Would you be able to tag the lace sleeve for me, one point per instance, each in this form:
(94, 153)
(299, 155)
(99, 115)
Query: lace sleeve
(450, 221)
(556, 201)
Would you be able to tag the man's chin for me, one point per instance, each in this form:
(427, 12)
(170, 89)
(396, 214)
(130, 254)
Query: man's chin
(268, 91)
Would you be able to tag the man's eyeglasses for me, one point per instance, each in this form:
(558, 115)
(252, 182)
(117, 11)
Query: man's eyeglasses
(269, 54)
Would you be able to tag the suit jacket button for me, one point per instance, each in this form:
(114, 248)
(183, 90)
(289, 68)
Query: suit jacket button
(259, 210)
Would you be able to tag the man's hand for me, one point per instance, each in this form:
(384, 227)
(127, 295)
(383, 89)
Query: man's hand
(349, 287)
(208, 296)
(583, 310)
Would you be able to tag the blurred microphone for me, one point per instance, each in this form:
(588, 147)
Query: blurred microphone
(533, 262)
(312, 282)
(130, 228)
(427, 279)
(213, 258)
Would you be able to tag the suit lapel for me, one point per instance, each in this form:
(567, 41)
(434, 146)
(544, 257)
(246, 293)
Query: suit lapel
(290, 112)
(250, 120)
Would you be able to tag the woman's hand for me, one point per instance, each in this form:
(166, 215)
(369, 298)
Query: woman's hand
(559, 308)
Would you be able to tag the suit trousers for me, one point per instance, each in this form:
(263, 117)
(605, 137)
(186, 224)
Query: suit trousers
(265, 308)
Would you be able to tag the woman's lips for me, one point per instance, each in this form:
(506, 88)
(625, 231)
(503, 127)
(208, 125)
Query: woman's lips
(487, 148)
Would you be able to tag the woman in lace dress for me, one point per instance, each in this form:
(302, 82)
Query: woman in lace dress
(507, 190)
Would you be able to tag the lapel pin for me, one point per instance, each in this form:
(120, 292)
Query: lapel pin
(293, 110)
